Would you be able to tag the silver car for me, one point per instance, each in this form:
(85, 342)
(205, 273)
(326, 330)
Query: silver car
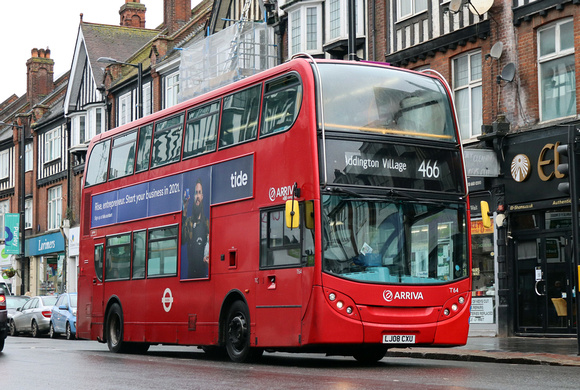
(33, 317)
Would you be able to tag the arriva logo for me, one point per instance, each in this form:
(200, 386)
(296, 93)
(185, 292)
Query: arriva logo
(389, 296)
(280, 192)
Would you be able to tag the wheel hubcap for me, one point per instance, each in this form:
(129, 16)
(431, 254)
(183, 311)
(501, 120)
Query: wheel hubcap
(238, 332)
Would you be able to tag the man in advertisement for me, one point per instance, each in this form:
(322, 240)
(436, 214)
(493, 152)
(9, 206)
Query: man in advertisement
(195, 235)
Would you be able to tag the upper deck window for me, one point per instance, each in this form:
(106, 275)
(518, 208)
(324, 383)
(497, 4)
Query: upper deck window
(123, 155)
(167, 141)
(375, 100)
(144, 149)
(201, 130)
(240, 116)
(98, 163)
(282, 98)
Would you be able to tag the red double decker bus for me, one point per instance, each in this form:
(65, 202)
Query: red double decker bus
(318, 206)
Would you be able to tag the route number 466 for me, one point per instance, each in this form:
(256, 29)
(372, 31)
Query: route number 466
(429, 169)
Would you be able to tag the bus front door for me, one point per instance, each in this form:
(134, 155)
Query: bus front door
(279, 307)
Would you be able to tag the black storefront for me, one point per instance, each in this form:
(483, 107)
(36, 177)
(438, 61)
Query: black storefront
(535, 276)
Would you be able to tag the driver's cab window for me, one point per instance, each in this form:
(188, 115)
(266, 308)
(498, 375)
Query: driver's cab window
(281, 246)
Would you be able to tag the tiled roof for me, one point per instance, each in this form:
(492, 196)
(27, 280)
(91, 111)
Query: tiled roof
(118, 42)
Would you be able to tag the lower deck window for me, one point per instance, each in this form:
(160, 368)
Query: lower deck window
(162, 252)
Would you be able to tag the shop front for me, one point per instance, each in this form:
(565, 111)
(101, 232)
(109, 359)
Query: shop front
(539, 236)
(47, 254)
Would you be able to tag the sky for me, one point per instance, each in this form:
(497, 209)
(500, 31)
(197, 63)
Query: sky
(53, 24)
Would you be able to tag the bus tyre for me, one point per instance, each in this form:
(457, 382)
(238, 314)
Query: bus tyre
(115, 329)
(238, 334)
(370, 354)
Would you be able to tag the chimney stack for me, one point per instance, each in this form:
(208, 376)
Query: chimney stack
(39, 76)
(175, 14)
(133, 14)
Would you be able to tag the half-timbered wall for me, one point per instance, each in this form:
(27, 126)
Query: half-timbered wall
(49, 166)
(433, 23)
(88, 90)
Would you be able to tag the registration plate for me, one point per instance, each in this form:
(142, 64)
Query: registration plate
(399, 339)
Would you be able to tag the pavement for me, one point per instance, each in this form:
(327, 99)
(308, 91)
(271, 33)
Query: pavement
(513, 350)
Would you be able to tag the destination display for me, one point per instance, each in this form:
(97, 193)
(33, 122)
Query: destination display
(394, 166)
(230, 180)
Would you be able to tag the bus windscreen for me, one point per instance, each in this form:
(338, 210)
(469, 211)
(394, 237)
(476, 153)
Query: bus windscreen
(383, 101)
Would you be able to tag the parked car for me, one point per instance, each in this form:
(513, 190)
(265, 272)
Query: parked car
(13, 302)
(33, 317)
(3, 319)
(64, 316)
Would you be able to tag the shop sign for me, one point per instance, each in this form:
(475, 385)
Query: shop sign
(481, 162)
(481, 310)
(48, 243)
(12, 233)
(478, 228)
(73, 241)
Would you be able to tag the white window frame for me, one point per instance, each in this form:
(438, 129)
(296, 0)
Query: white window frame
(343, 20)
(301, 11)
(78, 121)
(146, 94)
(171, 89)
(52, 144)
(4, 209)
(93, 126)
(54, 209)
(472, 84)
(125, 108)
(28, 157)
(558, 53)
(4, 166)
(28, 214)
(415, 8)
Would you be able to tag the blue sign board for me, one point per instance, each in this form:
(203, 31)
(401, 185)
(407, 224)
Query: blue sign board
(230, 180)
(48, 243)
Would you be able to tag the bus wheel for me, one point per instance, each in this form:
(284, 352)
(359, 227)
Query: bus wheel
(238, 334)
(115, 329)
(370, 354)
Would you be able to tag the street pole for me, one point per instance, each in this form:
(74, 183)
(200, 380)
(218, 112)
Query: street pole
(139, 90)
(22, 206)
(351, 30)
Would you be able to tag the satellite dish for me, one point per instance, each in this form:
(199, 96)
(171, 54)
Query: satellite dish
(479, 7)
(496, 50)
(507, 73)
(455, 5)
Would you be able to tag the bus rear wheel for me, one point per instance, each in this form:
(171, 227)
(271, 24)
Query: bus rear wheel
(115, 329)
(238, 334)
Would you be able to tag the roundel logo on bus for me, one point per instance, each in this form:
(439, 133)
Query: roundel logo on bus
(167, 300)
(284, 192)
(389, 296)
